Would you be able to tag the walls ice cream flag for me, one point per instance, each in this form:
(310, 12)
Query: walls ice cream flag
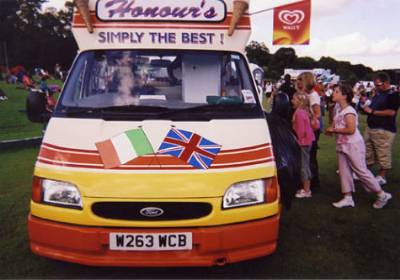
(124, 147)
(292, 24)
(189, 147)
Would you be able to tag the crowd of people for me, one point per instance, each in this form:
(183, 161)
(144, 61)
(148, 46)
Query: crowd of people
(356, 154)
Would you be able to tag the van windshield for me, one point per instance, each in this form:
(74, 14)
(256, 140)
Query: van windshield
(160, 84)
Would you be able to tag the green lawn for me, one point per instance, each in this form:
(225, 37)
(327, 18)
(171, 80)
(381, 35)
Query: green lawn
(316, 240)
(14, 123)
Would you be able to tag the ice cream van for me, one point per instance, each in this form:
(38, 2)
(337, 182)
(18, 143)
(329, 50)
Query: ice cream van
(158, 152)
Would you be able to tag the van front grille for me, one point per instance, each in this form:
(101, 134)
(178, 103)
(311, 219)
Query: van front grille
(151, 211)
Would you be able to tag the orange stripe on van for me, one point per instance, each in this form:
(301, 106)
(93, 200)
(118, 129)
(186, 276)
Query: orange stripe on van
(86, 151)
(51, 154)
(109, 155)
(155, 167)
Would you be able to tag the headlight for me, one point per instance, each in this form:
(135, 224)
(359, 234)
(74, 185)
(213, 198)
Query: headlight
(61, 193)
(244, 193)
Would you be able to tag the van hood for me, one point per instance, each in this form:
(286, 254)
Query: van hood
(118, 158)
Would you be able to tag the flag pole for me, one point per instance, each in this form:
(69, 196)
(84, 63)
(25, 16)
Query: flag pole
(270, 9)
(261, 11)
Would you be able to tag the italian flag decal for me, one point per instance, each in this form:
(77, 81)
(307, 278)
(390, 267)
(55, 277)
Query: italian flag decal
(124, 147)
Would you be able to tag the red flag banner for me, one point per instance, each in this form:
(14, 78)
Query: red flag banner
(292, 24)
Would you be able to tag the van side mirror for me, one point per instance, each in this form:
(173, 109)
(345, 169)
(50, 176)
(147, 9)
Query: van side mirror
(36, 107)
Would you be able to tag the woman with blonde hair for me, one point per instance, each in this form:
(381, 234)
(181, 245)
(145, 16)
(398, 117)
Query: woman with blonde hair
(305, 84)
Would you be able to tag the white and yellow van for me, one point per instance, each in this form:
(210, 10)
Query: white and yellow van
(158, 152)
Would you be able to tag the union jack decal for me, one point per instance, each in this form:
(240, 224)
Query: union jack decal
(190, 147)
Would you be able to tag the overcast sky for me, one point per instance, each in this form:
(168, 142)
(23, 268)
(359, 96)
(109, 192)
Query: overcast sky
(359, 31)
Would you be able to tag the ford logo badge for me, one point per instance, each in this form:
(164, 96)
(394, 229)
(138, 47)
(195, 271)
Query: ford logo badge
(151, 212)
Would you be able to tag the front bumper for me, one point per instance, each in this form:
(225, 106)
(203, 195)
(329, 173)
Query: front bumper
(211, 245)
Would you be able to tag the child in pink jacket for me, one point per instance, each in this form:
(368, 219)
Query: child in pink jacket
(305, 137)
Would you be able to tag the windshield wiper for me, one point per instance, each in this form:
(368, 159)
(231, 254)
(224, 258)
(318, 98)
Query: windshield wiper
(114, 110)
(209, 109)
(201, 113)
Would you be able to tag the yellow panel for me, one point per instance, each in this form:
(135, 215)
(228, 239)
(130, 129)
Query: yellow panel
(165, 187)
(153, 185)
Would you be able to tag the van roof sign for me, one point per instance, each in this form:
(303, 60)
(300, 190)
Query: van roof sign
(153, 10)
(161, 24)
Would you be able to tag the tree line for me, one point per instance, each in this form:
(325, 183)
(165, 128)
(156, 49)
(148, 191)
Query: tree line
(274, 64)
(32, 38)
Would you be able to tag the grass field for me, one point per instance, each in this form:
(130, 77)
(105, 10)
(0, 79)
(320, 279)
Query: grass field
(316, 240)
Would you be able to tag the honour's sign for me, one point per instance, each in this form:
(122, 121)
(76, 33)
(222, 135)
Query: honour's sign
(155, 10)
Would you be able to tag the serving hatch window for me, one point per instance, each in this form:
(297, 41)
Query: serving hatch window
(159, 79)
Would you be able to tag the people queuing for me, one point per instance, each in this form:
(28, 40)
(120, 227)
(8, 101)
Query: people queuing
(354, 152)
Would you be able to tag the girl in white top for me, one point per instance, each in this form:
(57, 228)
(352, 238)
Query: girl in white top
(350, 148)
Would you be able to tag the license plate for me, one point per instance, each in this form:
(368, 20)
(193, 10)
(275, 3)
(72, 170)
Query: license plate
(151, 241)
